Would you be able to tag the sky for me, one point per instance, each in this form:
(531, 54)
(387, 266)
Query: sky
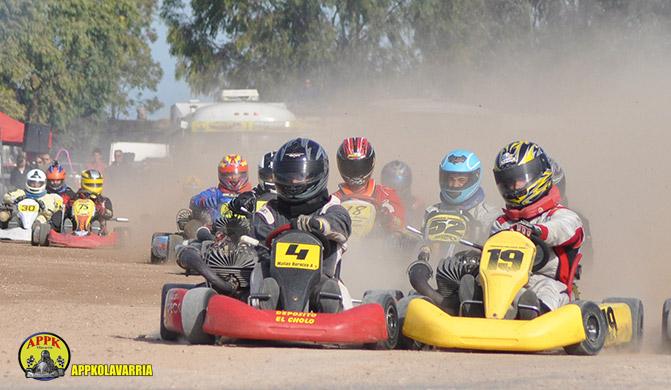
(170, 90)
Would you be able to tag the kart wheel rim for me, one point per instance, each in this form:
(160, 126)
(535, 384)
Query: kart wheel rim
(392, 322)
(592, 329)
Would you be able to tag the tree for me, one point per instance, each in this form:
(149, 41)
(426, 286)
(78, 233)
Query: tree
(65, 59)
(269, 44)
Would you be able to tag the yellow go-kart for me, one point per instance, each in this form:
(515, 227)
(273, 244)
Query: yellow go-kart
(507, 260)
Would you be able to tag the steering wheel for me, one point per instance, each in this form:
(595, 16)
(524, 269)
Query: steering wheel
(542, 253)
(291, 226)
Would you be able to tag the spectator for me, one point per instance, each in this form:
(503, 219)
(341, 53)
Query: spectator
(17, 177)
(97, 161)
(118, 158)
(42, 162)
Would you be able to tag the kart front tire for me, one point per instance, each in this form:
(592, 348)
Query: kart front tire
(666, 322)
(166, 334)
(194, 308)
(596, 328)
(636, 307)
(388, 304)
(39, 234)
(405, 342)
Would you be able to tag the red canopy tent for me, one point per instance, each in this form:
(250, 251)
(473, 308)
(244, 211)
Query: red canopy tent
(11, 130)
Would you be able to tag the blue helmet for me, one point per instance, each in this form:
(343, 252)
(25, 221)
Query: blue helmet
(459, 176)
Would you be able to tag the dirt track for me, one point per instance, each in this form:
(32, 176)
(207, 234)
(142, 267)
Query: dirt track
(609, 132)
(105, 305)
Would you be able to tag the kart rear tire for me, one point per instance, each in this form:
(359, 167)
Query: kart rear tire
(596, 328)
(637, 314)
(152, 258)
(166, 334)
(194, 308)
(666, 322)
(388, 303)
(405, 342)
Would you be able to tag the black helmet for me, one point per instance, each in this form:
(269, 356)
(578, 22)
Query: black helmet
(356, 160)
(300, 170)
(558, 178)
(397, 175)
(266, 172)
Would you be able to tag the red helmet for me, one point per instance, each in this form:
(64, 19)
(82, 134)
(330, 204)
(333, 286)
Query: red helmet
(55, 177)
(233, 173)
(356, 160)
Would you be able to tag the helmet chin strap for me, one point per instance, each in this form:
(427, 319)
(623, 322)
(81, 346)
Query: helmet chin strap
(548, 202)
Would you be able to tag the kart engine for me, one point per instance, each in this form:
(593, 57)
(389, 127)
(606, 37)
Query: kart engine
(450, 271)
(233, 263)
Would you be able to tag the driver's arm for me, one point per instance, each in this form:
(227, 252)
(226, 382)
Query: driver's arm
(339, 223)
(12, 196)
(563, 228)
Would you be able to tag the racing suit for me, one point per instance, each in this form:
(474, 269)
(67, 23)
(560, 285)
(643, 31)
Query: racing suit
(386, 202)
(67, 194)
(562, 231)
(477, 214)
(263, 195)
(277, 213)
(52, 204)
(211, 203)
(472, 220)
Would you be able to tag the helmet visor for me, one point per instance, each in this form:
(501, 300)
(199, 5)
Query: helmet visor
(56, 183)
(515, 180)
(458, 181)
(355, 169)
(34, 183)
(297, 172)
(266, 175)
(233, 180)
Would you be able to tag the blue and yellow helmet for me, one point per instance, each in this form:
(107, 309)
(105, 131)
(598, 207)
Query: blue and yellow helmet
(459, 176)
(523, 173)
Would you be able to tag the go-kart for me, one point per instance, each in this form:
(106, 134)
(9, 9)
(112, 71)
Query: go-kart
(507, 259)
(164, 244)
(296, 269)
(86, 232)
(24, 225)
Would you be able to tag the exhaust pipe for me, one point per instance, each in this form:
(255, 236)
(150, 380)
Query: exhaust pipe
(191, 259)
(419, 273)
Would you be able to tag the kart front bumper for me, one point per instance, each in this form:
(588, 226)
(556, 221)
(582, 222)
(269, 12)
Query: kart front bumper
(428, 324)
(234, 319)
(91, 241)
(16, 234)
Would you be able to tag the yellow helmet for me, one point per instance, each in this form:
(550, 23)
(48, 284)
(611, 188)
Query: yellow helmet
(92, 181)
(523, 173)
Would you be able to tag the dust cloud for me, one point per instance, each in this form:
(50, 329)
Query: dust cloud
(601, 111)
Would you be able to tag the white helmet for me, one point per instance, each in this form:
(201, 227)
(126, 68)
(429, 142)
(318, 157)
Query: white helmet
(36, 182)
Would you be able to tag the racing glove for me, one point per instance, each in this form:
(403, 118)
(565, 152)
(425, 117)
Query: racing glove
(526, 228)
(243, 204)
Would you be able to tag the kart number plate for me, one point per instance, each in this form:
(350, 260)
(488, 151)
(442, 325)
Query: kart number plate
(362, 214)
(28, 208)
(84, 208)
(445, 228)
(298, 256)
